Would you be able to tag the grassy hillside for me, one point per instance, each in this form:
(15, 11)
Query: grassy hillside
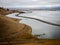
(10, 27)
(4, 11)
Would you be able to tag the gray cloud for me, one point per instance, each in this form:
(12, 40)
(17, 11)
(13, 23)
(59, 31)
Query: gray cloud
(17, 3)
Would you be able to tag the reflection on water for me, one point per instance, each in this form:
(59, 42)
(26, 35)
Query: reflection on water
(50, 31)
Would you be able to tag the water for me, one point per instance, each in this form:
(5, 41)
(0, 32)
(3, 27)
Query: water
(50, 31)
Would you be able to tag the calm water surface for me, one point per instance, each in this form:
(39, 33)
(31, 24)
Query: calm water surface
(50, 31)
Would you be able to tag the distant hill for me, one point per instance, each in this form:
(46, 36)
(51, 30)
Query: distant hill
(51, 8)
(57, 8)
(5, 11)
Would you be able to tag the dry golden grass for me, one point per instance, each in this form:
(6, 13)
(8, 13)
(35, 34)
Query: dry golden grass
(15, 19)
(41, 42)
(4, 11)
(9, 27)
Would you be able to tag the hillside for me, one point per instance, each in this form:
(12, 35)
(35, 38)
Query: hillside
(10, 27)
(4, 11)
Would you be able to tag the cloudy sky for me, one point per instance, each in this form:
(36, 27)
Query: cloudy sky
(29, 3)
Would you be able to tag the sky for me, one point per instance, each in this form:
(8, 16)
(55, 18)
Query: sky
(29, 3)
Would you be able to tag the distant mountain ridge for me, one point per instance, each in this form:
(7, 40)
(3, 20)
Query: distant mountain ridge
(36, 8)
